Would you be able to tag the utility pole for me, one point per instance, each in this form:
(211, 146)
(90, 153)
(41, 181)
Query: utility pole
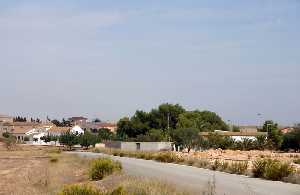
(168, 121)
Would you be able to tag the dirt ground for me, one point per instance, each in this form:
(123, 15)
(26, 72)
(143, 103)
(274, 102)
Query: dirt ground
(28, 170)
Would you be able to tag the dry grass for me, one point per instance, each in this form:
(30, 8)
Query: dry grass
(28, 170)
(31, 171)
(137, 186)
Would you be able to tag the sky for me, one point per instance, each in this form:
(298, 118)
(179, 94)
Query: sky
(107, 59)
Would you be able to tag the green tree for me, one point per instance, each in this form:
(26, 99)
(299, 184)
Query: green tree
(274, 136)
(68, 139)
(124, 128)
(87, 139)
(166, 116)
(216, 140)
(56, 123)
(186, 138)
(6, 134)
(105, 134)
(204, 121)
(261, 142)
(291, 140)
(153, 135)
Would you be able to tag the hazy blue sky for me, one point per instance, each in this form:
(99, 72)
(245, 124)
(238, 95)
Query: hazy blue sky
(109, 58)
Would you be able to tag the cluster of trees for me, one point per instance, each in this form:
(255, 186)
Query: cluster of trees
(291, 140)
(37, 120)
(85, 140)
(62, 123)
(19, 119)
(161, 123)
(24, 119)
(189, 138)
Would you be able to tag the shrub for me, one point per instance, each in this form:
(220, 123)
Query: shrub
(118, 191)
(6, 134)
(190, 161)
(259, 167)
(271, 169)
(224, 166)
(99, 168)
(277, 170)
(202, 163)
(216, 165)
(238, 167)
(167, 157)
(79, 190)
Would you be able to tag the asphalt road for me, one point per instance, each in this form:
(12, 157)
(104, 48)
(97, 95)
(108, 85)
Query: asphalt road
(196, 179)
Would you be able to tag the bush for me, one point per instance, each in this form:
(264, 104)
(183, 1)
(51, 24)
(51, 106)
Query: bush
(259, 167)
(224, 166)
(99, 168)
(79, 190)
(238, 167)
(216, 165)
(6, 134)
(190, 161)
(167, 157)
(271, 169)
(202, 163)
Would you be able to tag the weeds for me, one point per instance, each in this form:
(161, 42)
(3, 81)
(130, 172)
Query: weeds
(167, 157)
(102, 167)
(271, 169)
(238, 167)
(79, 190)
(216, 165)
(202, 163)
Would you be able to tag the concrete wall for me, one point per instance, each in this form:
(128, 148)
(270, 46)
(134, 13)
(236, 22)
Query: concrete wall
(144, 146)
(113, 144)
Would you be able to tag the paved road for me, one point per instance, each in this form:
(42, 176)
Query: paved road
(196, 179)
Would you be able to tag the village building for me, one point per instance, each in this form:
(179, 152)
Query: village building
(95, 126)
(236, 136)
(77, 130)
(58, 131)
(78, 120)
(139, 146)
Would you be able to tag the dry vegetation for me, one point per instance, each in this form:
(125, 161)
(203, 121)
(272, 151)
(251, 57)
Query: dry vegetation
(29, 170)
(38, 170)
(279, 166)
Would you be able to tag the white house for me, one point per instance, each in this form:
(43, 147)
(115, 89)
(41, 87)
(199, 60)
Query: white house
(77, 130)
(236, 136)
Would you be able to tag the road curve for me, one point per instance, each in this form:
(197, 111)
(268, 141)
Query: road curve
(196, 179)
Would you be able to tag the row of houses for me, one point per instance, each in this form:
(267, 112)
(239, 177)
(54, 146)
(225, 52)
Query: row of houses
(33, 131)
